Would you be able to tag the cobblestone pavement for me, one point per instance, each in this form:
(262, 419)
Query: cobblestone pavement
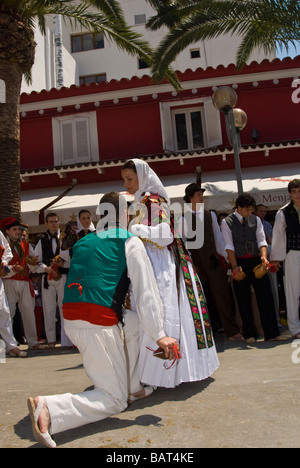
(252, 400)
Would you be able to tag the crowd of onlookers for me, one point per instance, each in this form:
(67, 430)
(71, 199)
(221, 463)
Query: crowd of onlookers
(35, 276)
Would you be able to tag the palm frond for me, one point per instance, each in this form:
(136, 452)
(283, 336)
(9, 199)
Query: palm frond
(259, 23)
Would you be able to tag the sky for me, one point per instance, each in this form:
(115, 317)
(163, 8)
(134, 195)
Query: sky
(291, 52)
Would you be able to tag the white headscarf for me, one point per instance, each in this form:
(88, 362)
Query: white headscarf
(80, 227)
(149, 182)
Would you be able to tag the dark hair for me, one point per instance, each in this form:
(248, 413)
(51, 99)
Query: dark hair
(50, 215)
(116, 200)
(295, 183)
(83, 211)
(129, 165)
(245, 200)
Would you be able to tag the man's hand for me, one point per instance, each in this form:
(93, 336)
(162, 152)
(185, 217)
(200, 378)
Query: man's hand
(3, 269)
(168, 344)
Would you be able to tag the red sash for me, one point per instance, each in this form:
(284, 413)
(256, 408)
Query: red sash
(92, 313)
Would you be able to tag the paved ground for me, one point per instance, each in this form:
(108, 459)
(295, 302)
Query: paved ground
(252, 400)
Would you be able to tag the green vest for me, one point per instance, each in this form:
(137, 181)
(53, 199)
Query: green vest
(98, 265)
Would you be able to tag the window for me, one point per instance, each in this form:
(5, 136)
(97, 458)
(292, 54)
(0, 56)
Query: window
(75, 139)
(88, 41)
(188, 129)
(195, 53)
(140, 19)
(191, 125)
(92, 78)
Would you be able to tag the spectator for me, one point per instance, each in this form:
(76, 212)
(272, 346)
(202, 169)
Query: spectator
(207, 261)
(47, 250)
(17, 283)
(286, 248)
(247, 247)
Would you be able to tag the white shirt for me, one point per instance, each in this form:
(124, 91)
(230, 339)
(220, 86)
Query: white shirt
(278, 251)
(38, 252)
(147, 300)
(227, 233)
(219, 242)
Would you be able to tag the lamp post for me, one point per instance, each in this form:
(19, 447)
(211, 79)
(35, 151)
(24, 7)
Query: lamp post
(224, 99)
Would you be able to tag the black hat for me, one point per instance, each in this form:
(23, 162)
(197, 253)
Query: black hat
(190, 190)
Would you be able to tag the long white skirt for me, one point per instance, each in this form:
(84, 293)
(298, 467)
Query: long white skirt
(195, 364)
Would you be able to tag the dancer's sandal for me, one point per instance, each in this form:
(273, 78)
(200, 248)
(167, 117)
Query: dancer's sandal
(16, 352)
(147, 391)
(34, 412)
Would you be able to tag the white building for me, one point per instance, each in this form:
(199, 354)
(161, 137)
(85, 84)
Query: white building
(84, 58)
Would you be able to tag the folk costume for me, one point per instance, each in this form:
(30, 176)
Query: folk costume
(18, 286)
(47, 248)
(68, 240)
(286, 248)
(245, 236)
(185, 312)
(100, 270)
(6, 331)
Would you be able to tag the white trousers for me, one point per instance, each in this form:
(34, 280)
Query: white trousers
(292, 290)
(50, 302)
(104, 360)
(6, 330)
(64, 339)
(18, 292)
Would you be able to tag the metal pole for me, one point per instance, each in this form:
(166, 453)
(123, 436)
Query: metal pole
(234, 139)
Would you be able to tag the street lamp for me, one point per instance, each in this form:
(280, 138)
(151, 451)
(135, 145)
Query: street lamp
(224, 99)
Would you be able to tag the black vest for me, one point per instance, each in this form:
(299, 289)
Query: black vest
(292, 227)
(47, 252)
(244, 237)
(204, 258)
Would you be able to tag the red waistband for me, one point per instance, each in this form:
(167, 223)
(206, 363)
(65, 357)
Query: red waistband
(92, 313)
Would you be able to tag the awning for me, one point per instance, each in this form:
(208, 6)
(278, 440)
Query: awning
(85, 196)
(268, 184)
(79, 197)
(32, 201)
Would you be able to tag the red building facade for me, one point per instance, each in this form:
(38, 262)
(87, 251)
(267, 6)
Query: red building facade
(75, 140)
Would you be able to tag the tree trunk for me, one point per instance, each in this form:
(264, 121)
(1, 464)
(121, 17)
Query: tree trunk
(17, 48)
(10, 204)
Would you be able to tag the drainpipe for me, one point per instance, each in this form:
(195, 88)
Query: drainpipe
(58, 51)
(42, 210)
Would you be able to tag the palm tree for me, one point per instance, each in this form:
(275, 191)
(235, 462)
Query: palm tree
(259, 23)
(17, 21)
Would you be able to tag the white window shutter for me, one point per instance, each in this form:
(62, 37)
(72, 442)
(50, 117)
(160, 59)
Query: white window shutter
(68, 156)
(166, 127)
(75, 139)
(212, 124)
(82, 140)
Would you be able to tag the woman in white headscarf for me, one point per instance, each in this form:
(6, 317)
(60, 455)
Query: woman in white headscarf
(84, 223)
(185, 313)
